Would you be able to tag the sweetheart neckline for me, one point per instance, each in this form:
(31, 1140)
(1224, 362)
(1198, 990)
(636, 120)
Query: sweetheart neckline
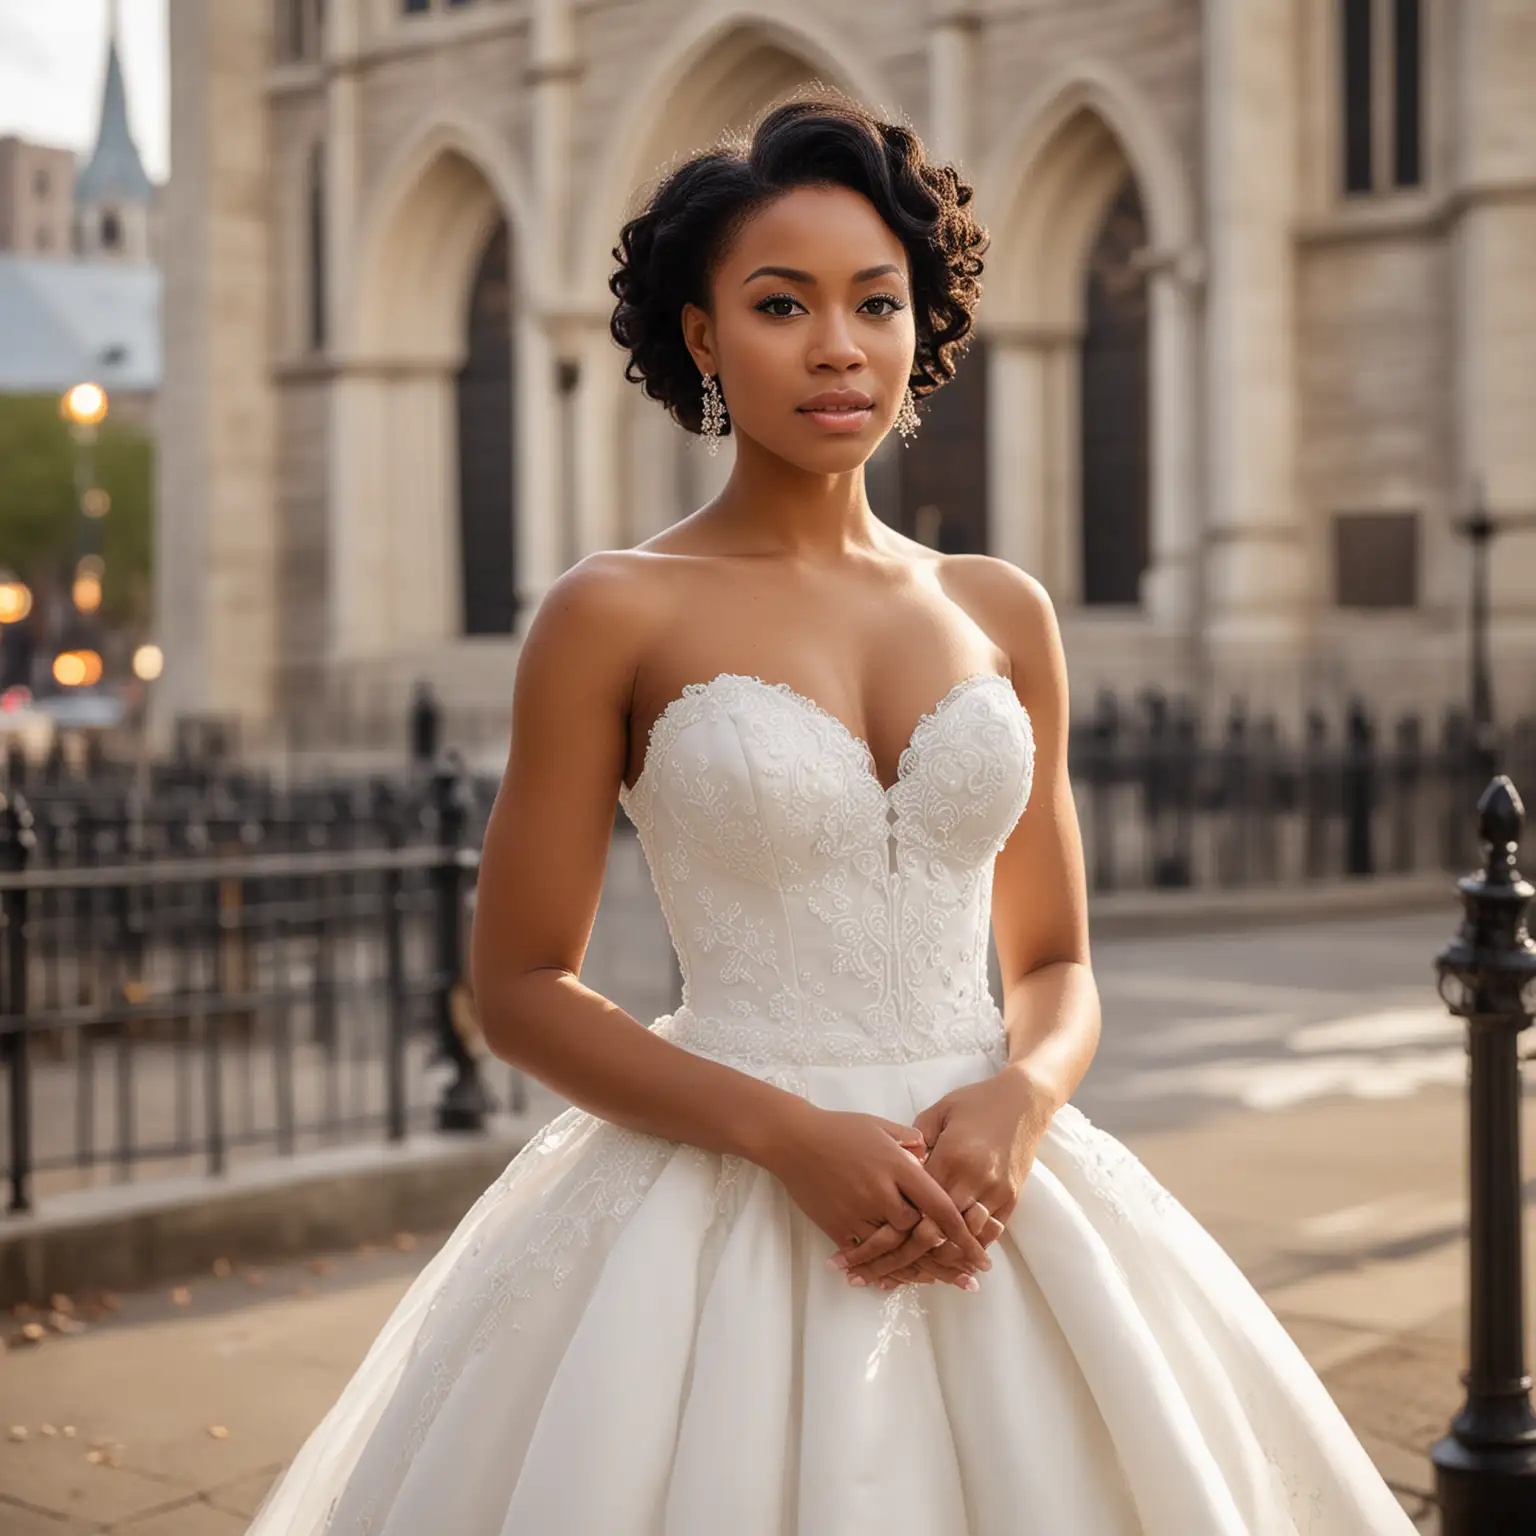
(866, 753)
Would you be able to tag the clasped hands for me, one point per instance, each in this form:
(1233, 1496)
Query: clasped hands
(978, 1143)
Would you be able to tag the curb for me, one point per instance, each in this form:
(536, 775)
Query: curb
(134, 1237)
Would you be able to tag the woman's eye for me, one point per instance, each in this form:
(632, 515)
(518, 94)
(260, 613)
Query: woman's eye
(777, 298)
(885, 298)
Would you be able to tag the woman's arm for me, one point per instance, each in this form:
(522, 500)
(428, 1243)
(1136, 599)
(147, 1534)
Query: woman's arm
(541, 874)
(1039, 889)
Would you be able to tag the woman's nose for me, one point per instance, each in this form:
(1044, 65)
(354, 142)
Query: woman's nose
(835, 345)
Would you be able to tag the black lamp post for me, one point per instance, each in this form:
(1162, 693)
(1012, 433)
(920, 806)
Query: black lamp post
(1485, 1468)
(1479, 527)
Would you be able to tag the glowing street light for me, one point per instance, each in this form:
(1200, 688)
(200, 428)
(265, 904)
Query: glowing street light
(148, 663)
(87, 585)
(85, 404)
(77, 669)
(15, 599)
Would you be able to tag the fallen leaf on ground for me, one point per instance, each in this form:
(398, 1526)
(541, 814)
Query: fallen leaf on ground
(69, 1431)
(47, 1429)
(33, 1332)
(181, 1296)
(223, 1268)
(218, 1431)
(18, 1431)
(62, 1303)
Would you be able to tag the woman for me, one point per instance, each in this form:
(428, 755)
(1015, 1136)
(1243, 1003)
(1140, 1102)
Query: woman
(828, 1250)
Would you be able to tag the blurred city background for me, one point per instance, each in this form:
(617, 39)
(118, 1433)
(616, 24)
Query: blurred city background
(307, 394)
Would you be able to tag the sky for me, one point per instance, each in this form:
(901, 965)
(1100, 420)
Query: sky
(52, 57)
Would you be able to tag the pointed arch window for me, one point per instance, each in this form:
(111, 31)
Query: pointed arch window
(1381, 73)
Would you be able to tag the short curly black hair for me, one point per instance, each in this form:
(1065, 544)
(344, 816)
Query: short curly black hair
(667, 252)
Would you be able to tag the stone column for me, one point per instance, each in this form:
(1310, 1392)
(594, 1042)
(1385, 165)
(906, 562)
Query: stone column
(216, 538)
(1256, 554)
(554, 430)
(1493, 232)
(952, 32)
(1032, 438)
(1172, 589)
(355, 412)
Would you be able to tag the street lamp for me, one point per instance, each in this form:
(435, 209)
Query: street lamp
(1479, 527)
(85, 405)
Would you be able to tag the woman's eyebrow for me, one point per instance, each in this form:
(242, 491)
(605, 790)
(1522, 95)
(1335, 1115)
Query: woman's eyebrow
(794, 275)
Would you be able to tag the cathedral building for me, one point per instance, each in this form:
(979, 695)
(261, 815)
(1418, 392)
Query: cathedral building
(1258, 325)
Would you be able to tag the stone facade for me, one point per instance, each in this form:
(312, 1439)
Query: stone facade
(1308, 353)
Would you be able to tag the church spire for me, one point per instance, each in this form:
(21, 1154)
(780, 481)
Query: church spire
(114, 170)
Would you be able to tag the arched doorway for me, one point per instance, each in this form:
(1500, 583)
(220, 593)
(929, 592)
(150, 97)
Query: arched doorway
(486, 448)
(424, 513)
(1116, 543)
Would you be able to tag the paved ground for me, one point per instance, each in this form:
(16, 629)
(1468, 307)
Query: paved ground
(1298, 1089)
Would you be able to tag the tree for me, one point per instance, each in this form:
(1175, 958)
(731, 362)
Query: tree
(39, 514)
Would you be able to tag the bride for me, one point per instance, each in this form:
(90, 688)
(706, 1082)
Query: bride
(829, 1250)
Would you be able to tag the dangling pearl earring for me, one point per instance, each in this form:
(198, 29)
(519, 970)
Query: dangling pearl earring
(906, 417)
(714, 414)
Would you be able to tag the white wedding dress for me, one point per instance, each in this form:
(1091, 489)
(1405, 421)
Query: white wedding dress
(628, 1336)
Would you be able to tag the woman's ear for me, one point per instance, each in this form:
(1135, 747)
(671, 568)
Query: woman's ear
(698, 337)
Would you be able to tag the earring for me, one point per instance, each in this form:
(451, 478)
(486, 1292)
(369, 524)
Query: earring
(714, 414)
(906, 417)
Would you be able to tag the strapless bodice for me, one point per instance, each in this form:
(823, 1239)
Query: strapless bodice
(819, 917)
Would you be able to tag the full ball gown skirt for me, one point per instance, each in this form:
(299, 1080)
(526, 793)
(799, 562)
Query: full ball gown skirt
(629, 1336)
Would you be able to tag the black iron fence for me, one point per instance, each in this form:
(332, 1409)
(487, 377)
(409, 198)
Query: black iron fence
(262, 971)
(1167, 802)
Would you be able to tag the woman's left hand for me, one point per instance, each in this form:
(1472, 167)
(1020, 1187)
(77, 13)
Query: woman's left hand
(981, 1145)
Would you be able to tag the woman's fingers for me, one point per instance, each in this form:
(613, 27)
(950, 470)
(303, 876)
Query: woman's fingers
(933, 1200)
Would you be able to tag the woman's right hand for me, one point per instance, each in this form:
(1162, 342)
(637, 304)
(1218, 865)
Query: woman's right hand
(852, 1172)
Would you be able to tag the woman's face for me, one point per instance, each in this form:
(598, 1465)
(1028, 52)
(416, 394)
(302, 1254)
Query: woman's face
(812, 334)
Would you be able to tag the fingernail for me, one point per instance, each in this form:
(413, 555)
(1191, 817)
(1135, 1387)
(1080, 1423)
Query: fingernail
(857, 1280)
(837, 1261)
(969, 1283)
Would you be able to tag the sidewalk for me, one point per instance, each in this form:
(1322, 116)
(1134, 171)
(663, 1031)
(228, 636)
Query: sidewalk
(1347, 1214)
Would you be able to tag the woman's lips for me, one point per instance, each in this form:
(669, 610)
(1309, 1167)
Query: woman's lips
(839, 419)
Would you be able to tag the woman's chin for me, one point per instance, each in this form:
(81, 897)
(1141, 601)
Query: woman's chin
(834, 454)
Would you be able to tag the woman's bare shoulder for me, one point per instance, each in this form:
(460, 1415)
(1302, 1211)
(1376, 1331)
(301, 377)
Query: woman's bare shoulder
(996, 591)
(597, 618)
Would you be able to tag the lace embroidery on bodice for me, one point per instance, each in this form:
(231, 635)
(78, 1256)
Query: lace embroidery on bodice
(820, 917)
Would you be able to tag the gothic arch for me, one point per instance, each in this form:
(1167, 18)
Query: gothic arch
(1075, 146)
(1092, 110)
(422, 231)
(426, 475)
(720, 68)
